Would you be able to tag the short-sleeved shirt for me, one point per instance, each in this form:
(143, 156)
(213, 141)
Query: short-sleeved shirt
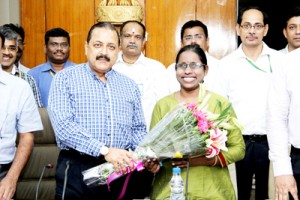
(18, 114)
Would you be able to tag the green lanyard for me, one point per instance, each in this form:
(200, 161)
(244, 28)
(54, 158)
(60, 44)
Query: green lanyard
(253, 65)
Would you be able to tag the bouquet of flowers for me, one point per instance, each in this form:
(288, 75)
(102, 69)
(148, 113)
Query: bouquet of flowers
(188, 130)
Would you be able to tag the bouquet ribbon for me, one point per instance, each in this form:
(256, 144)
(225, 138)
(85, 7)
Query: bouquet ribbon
(137, 166)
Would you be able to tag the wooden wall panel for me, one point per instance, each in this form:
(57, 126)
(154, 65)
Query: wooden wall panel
(33, 22)
(220, 18)
(163, 23)
(75, 16)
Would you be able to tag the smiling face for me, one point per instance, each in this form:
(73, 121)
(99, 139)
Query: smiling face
(9, 54)
(189, 78)
(57, 50)
(102, 50)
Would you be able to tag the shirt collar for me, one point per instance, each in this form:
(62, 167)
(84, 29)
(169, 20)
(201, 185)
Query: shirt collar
(48, 66)
(141, 59)
(3, 77)
(92, 73)
(265, 51)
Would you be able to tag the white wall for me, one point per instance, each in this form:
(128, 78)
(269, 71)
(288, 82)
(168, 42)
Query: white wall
(9, 11)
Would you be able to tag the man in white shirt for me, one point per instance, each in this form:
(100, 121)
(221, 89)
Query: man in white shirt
(244, 79)
(20, 40)
(149, 74)
(18, 114)
(291, 31)
(195, 32)
(283, 114)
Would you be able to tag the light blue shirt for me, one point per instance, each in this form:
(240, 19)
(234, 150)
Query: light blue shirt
(18, 113)
(87, 113)
(43, 75)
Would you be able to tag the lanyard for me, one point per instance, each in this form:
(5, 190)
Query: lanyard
(51, 73)
(253, 65)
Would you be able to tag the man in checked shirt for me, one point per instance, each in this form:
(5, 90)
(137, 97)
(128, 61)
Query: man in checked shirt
(97, 117)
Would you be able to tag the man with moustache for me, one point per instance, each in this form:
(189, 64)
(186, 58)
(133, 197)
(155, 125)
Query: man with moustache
(9, 56)
(149, 74)
(18, 116)
(57, 49)
(244, 77)
(21, 37)
(97, 117)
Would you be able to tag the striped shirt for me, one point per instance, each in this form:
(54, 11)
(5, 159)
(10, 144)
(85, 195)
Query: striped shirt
(30, 80)
(87, 113)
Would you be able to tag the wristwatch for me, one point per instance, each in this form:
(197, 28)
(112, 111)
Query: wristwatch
(104, 150)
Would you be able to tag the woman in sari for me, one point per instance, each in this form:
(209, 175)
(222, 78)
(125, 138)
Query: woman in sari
(208, 178)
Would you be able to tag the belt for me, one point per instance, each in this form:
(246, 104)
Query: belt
(255, 138)
(4, 167)
(295, 151)
(81, 156)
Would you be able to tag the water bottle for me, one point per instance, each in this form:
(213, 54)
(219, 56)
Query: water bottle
(176, 185)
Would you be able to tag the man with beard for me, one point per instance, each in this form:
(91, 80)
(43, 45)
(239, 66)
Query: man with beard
(9, 56)
(149, 74)
(57, 48)
(97, 117)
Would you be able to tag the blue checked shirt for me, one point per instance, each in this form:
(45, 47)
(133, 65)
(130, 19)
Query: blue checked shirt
(87, 113)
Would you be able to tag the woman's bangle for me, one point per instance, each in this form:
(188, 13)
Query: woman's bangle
(216, 160)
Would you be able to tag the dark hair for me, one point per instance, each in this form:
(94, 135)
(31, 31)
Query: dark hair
(133, 21)
(293, 12)
(192, 24)
(2, 37)
(194, 48)
(102, 25)
(8, 33)
(244, 9)
(16, 28)
(56, 32)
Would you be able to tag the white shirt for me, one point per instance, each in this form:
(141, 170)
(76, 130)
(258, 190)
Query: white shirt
(209, 79)
(283, 113)
(23, 68)
(18, 113)
(285, 50)
(246, 86)
(150, 75)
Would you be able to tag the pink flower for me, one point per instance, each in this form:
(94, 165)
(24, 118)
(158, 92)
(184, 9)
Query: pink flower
(191, 106)
(216, 142)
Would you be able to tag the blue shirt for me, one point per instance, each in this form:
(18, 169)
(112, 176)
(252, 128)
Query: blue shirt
(87, 113)
(43, 75)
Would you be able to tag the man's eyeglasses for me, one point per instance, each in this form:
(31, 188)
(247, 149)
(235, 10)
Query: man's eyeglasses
(56, 45)
(257, 27)
(190, 37)
(192, 65)
(20, 42)
(10, 48)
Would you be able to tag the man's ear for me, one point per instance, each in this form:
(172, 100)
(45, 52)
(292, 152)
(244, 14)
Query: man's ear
(85, 47)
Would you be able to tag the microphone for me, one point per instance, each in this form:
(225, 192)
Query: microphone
(48, 166)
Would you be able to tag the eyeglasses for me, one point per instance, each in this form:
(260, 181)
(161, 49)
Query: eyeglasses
(192, 65)
(10, 48)
(55, 45)
(257, 27)
(20, 42)
(190, 37)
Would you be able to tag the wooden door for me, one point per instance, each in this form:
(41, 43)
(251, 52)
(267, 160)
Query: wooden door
(75, 16)
(164, 20)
